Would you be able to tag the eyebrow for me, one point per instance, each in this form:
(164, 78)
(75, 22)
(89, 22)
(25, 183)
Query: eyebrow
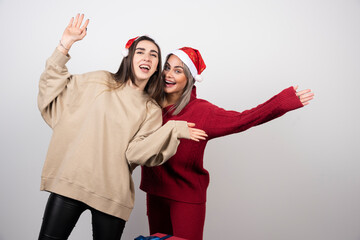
(174, 66)
(143, 49)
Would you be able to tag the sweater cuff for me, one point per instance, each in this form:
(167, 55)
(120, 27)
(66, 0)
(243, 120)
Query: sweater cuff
(182, 129)
(289, 100)
(59, 58)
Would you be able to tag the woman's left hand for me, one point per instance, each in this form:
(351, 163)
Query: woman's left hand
(73, 32)
(305, 95)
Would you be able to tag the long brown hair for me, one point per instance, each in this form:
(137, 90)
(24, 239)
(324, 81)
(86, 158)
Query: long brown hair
(154, 86)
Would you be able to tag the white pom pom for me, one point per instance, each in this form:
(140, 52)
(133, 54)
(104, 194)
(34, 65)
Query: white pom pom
(198, 78)
(125, 52)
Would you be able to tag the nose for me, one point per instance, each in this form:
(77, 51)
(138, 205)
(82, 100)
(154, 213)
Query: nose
(147, 57)
(167, 73)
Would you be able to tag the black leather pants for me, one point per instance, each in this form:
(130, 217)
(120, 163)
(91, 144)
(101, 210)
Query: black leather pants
(62, 213)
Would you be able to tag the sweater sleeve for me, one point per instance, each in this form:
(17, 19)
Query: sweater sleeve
(53, 85)
(221, 122)
(153, 148)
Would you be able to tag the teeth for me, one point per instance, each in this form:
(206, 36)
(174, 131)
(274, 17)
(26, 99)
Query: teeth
(168, 82)
(145, 66)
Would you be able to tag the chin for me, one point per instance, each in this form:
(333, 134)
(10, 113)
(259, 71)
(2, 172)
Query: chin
(169, 91)
(144, 78)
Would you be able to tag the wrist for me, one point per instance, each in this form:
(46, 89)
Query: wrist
(61, 47)
(65, 45)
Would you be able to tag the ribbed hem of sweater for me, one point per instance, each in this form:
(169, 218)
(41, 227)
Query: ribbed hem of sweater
(79, 193)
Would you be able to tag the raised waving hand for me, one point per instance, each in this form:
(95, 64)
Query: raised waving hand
(74, 32)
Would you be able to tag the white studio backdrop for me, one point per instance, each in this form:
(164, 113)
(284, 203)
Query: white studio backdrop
(297, 177)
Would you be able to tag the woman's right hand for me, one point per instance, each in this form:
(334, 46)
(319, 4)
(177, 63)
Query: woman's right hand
(196, 134)
(73, 32)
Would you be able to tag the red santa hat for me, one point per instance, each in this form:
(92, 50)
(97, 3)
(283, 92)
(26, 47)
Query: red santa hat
(193, 60)
(125, 51)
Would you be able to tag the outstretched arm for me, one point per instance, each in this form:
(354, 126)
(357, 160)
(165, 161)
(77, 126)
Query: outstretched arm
(222, 122)
(73, 32)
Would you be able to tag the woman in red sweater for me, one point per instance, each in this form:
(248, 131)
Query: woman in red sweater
(176, 190)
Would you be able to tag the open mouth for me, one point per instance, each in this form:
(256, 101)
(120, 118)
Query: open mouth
(145, 68)
(169, 83)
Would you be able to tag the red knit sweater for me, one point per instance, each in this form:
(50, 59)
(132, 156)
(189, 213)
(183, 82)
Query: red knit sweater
(183, 177)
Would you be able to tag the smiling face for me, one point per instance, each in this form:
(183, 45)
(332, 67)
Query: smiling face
(145, 62)
(174, 77)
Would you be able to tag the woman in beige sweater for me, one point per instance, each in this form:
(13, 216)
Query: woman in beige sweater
(104, 125)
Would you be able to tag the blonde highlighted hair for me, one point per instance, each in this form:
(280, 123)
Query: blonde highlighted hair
(186, 95)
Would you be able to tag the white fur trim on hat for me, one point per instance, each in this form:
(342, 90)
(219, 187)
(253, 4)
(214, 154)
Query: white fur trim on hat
(187, 60)
(198, 78)
(125, 52)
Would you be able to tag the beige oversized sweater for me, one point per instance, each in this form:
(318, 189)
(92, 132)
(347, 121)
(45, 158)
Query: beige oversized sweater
(100, 134)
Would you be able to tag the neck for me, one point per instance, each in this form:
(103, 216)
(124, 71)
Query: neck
(140, 85)
(171, 99)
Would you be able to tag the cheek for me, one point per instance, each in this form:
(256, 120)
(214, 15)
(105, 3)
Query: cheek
(182, 82)
(155, 63)
(134, 61)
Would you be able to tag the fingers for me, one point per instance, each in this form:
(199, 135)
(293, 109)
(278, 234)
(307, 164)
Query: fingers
(198, 137)
(194, 139)
(191, 124)
(71, 22)
(76, 20)
(85, 25)
(304, 96)
(306, 99)
(295, 87)
(197, 134)
(81, 18)
(303, 92)
(83, 34)
(84, 29)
